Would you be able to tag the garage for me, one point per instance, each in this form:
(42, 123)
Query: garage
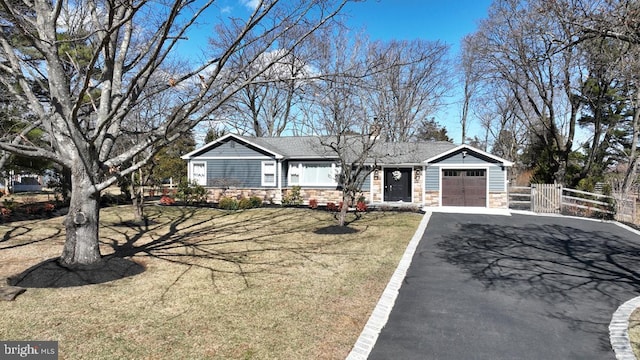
(464, 187)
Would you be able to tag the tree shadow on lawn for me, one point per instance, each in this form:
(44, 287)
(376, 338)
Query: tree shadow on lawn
(220, 242)
(52, 274)
(564, 266)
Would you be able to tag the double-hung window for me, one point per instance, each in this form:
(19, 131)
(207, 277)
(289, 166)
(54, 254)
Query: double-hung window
(199, 172)
(268, 173)
(313, 173)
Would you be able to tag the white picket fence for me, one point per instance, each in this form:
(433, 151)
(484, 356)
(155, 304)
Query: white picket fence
(554, 198)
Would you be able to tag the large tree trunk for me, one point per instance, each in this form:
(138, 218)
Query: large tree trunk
(137, 197)
(82, 223)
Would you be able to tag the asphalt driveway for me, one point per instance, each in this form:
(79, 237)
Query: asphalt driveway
(518, 287)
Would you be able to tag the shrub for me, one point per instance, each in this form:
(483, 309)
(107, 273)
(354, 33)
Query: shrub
(48, 208)
(245, 203)
(191, 192)
(167, 200)
(9, 203)
(331, 206)
(293, 197)
(256, 201)
(228, 203)
(5, 212)
(313, 203)
(361, 206)
(33, 210)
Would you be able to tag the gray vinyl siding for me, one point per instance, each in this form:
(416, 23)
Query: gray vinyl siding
(496, 179)
(432, 179)
(244, 173)
(366, 185)
(232, 148)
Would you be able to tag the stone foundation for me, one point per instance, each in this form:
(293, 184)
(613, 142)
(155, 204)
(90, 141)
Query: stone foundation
(499, 200)
(273, 196)
(269, 196)
(431, 198)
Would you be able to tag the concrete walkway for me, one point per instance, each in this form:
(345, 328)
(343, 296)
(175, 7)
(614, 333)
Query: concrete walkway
(380, 316)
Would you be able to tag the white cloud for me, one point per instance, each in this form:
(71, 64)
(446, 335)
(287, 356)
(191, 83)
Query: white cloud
(251, 4)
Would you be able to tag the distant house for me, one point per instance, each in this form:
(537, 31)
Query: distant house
(25, 183)
(431, 174)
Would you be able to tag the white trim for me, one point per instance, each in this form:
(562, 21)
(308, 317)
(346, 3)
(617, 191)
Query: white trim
(505, 184)
(504, 162)
(263, 182)
(232, 158)
(463, 166)
(453, 166)
(424, 185)
(279, 175)
(225, 137)
(190, 168)
(335, 169)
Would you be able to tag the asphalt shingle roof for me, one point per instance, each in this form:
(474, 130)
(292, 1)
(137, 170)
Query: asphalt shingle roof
(313, 147)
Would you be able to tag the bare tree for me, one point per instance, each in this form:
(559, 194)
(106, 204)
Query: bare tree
(338, 111)
(82, 107)
(267, 106)
(617, 21)
(408, 83)
(523, 48)
(471, 76)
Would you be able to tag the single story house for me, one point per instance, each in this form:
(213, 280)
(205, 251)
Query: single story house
(429, 174)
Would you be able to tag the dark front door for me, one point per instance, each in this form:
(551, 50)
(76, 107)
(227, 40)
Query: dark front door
(397, 184)
(464, 187)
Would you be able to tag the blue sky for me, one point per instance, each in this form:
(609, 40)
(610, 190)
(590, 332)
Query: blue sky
(444, 20)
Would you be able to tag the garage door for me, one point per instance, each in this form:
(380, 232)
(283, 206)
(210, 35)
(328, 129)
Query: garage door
(461, 187)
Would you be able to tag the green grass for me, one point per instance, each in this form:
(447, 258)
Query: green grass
(256, 284)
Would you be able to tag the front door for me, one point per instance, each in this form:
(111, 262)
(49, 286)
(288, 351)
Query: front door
(397, 184)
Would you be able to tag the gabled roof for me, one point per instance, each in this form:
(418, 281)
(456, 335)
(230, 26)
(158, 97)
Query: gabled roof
(224, 138)
(314, 147)
(464, 147)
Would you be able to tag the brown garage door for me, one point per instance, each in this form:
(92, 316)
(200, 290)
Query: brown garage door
(464, 187)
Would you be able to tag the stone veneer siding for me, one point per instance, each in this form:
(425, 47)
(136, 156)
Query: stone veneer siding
(432, 198)
(273, 196)
(376, 187)
(498, 200)
(416, 197)
(268, 195)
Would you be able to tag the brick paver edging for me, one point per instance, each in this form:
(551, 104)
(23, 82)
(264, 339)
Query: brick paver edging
(380, 314)
(619, 330)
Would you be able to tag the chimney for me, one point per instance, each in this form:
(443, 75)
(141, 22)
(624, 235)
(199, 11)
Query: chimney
(376, 129)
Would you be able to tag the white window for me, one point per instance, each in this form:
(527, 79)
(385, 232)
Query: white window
(313, 174)
(268, 173)
(199, 173)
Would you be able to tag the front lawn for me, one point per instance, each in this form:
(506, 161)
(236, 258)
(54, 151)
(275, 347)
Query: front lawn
(259, 284)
